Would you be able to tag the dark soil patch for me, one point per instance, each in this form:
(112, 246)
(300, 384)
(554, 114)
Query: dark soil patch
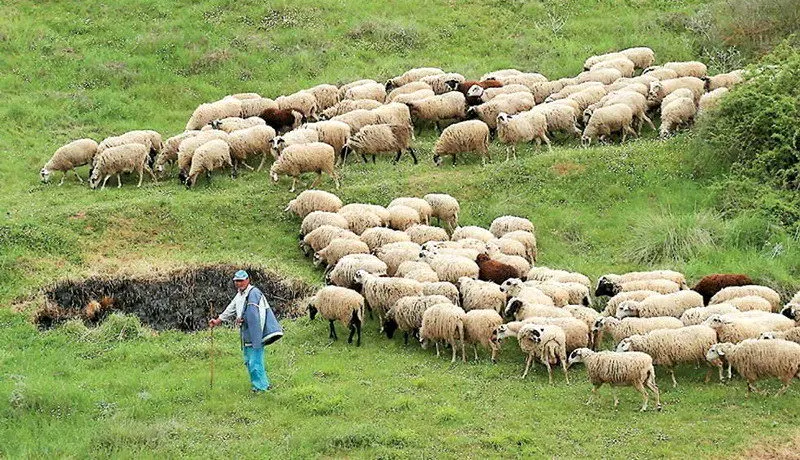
(176, 300)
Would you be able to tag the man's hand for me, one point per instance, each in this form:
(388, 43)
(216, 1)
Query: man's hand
(239, 321)
(214, 322)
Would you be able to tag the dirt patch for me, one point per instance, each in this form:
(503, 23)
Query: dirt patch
(178, 299)
(563, 169)
(789, 450)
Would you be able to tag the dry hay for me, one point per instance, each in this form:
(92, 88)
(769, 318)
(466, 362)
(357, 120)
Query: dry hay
(178, 299)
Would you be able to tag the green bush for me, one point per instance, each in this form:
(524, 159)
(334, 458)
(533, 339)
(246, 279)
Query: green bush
(667, 238)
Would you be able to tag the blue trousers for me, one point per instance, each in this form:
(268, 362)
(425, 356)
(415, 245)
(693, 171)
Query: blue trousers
(254, 360)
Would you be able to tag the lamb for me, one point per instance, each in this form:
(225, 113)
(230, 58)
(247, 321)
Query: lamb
(673, 304)
(117, 160)
(757, 359)
(343, 274)
(520, 310)
(322, 236)
(381, 139)
(250, 141)
(348, 105)
(281, 120)
(377, 237)
(443, 288)
(631, 368)
(212, 155)
(607, 120)
(792, 335)
(374, 91)
(68, 157)
(466, 136)
(335, 303)
(332, 132)
(547, 342)
(406, 314)
(688, 68)
(326, 95)
(523, 127)
(732, 292)
(669, 347)
(528, 240)
(444, 107)
(444, 208)
(478, 295)
(357, 119)
(411, 76)
(723, 80)
(710, 100)
(316, 219)
(738, 328)
(293, 137)
(660, 72)
(360, 221)
(338, 248)
(626, 327)
(439, 83)
(443, 322)
(309, 201)
(169, 151)
(478, 328)
(408, 89)
(560, 118)
(624, 65)
(698, 315)
(449, 267)
(297, 159)
(660, 89)
(302, 101)
(711, 284)
(381, 293)
(206, 113)
(676, 114)
(232, 124)
(514, 287)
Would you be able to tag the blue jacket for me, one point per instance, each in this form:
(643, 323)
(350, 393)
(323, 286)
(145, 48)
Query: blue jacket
(257, 331)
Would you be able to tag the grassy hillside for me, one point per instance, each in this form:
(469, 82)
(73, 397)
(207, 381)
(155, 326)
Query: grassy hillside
(94, 69)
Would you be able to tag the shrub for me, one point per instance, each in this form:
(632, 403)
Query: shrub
(664, 238)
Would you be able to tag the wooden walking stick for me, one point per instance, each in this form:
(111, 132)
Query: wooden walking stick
(211, 315)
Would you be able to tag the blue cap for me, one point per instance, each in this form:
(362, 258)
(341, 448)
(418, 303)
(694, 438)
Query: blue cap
(240, 275)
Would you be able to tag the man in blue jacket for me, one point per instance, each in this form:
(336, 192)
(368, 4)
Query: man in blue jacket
(249, 308)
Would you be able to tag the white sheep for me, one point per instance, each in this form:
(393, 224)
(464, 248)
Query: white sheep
(632, 368)
(326, 95)
(479, 326)
(338, 248)
(444, 107)
(411, 76)
(677, 114)
(507, 224)
(698, 315)
(332, 132)
(300, 158)
(443, 288)
(347, 106)
(422, 207)
(117, 160)
(322, 236)
(232, 124)
(732, 292)
(472, 232)
(381, 293)
(673, 304)
(642, 56)
(344, 88)
(377, 237)
(293, 137)
(757, 359)
(626, 327)
(560, 118)
(466, 136)
(528, 240)
(360, 221)
(509, 104)
(736, 328)
(357, 119)
(724, 80)
(591, 61)
(514, 287)
(688, 68)
(636, 101)
(542, 273)
(660, 72)
(374, 91)
(68, 157)
(408, 89)
(250, 142)
(309, 201)
(443, 322)
(316, 219)
(439, 83)
(669, 347)
(444, 208)
(546, 342)
(792, 335)
(303, 102)
(523, 127)
(604, 76)
(406, 314)
(169, 151)
(660, 89)
(206, 113)
(520, 310)
(612, 284)
(624, 65)
(750, 302)
(607, 120)
(335, 303)
(395, 257)
(478, 295)
(212, 155)
(380, 139)
(709, 101)
(188, 146)
(344, 272)
(450, 267)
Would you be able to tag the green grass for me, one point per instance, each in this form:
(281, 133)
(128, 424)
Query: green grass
(94, 69)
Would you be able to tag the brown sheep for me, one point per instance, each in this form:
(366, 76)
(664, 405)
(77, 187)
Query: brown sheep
(463, 87)
(492, 270)
(711, 284)
(281, 119)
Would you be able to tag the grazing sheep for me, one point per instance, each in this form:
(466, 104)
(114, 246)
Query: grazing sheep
(408, 89)
(560, 118)
(472, 232)
(478, 328)
(559, 276)
(281, 120)
(641, 56)
(662, 286)
(343, 274)
(624, 65)
(710, 100)
(444, 208)
(636, 101)
(335, 303)
(249, 142)
(344, 88)
(187, 147)
(506, 224)
(402, 217)
(557, 293)
(444, 107)
(792, 335)
(255, 106)
(394, 113)
(732, 292)
(631, 368)
(757, 359)
(332, 132)
(406, 314)
(571, 89)
(698, 315)
(316, 219)
(409, 266)
(607, 120)
(348, 105)
(711, 284)
(440, 84)
(293, 137)
(450, 267)
(212, 155)
(626, 327)
(411, 76)
(660, 89)
(498, 74)
(117, 160)
(149, 138)
(300, 158)
(338, 248)
(322, 236)
(546, 341)
(678, 113)
(604, 76)
(751, 303)
(528, 240)
(494, 271)
(357, 119)
(415, 96)
(615, 300)
(443, 288)
(541, 91)
(478, 295)
(302, 101)
(735, 328)
(374, 91)
(688, 68)
(443, 322)
(463, 87)
(673, 304)
(206, 113)
(660, 72)
(377, 237)
(360, 221)
(326, 95)
(421, 234)
(528, 79)
(520, 264)
(466, 136)
(523, 127)
(520, 310)
(422, 207)
(309, 201)
(723, 80)
(68, 157)
(504, 92)
(380, 139)
(507, 246)
(169, 152)
(669, 347)
(245, 96)
(591, 61)
(381, 293)
(232, 124)
(577, 293)
(394, 257)
(509, 104)
(612, 284)
(514, 287)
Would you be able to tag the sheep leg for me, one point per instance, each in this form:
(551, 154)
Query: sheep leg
(405, 338)
(454, 159)
(397, 157)
(294, 184)
(527, 365)
(649, 122)
(651, 384)
(729, 371)
(358, 331)
(316, 181)
(333, 331)
(674, 382)
(373, 158)
(564, 366)
(152, 174)
(141, 176)
(645, 397)
(352, 328)
(594, 392)
(77, 175)
(453, 346)
(364, 157)
(119, 181)
(494, 354)
(547, 141)
(413, 155)
(104, 182)
(615, 393)
(63, 176)
(784, 387)
(263, 160)
(508, 152)
(437, 349)
(549, 370)
(628, 129)
(475, 349)
(247, 166)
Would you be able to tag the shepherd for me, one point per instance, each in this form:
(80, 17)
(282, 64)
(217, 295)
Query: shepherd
(258, 327)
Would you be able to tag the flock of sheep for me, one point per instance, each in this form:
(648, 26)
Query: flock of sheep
(313, 129)
(469, 285)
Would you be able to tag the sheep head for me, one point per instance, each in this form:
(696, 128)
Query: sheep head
(578, 356)
(45, 174)
(512, 308)
(627, 309)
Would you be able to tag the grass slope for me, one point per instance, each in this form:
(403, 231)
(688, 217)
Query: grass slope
(95, 69)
